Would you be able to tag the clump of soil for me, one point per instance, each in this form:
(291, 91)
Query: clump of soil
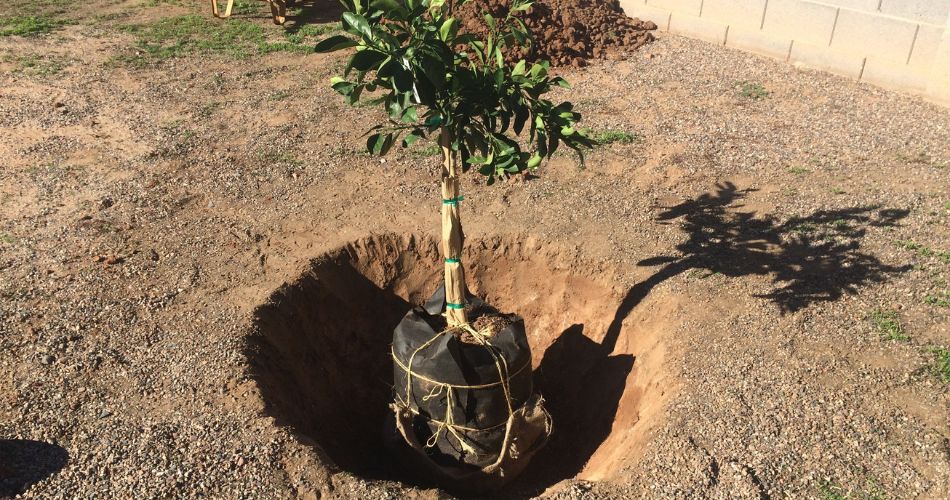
(490, 323)
(566, 32)
(483, 318)
(487, 320)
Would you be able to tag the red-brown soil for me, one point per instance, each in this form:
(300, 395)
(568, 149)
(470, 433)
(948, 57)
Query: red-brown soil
(566, 32)
(322, 361)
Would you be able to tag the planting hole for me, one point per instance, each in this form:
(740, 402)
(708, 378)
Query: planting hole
(321, 351)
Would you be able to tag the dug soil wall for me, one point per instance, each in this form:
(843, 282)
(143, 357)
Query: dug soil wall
(321, 353)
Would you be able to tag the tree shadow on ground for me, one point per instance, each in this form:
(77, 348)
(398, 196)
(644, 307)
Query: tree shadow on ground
(24, 463)
(582, 384)
(816, 258)
(299, 13)
(312, 12)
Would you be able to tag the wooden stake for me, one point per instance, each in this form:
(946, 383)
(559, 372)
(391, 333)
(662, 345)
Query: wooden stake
(278, 10)
(452, 237)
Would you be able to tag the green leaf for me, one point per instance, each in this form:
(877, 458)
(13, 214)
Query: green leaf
(414, 136)
(395, 109)
(539, 70)
(534, 161)
(434, 70)
(334, 43)
(402, 80)
(409, 115)
(521, 115)
(379, 144)
(466, 38)
(519, 68)
(365, 60)
(448, 29)
(490, 21)
(359, 23)
(478, 160)
(560, 82)
(520, 6)
(391, 9)
(342, 86)
(387, 68)
(434, 121)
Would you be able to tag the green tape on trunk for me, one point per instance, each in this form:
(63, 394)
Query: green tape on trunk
(452, 261)
(453, 201)
(450, 305)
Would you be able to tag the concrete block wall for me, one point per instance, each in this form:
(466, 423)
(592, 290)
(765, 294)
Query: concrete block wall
(898, 44)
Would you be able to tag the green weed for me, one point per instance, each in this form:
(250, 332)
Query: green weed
(271, 47)
(240, 7)
(888, 325)
(828, 490)
(831, 491)
(752, 90)
(938, 300)
(924, 251)
(798, 170)
(700, 273)
(186, 35)
(837, 190)
(941, 364)
(921, 158)
(28, 25)
(801, 226)
(38, 65)
(314, 31)
(611, 136)
(207, 109)
(425, 152)
(274, 157)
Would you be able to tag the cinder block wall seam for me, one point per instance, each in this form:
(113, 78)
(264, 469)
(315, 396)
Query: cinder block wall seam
(876, 13)
(809, 56)
(913, 42)
(834, 25)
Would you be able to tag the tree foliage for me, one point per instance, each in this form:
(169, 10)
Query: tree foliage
(411, 57)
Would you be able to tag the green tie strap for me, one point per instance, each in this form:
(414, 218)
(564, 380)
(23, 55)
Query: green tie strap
(451, 305)
(453, 201)
(452, 261)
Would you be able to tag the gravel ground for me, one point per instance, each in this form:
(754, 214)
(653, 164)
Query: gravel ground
(148, 208)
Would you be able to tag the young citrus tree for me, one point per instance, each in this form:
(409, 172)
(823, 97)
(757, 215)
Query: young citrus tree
(435, 82)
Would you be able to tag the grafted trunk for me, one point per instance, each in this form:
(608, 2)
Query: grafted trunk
(452, 236)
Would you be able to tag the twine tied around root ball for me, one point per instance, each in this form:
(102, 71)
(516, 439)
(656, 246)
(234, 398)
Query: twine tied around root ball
(448, 423)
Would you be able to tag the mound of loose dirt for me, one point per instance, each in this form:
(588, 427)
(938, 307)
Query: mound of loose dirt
(566, 32)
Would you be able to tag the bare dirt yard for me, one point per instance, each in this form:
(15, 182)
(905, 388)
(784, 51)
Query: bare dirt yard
(742, 294)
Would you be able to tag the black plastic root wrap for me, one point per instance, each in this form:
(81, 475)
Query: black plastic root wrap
(452, 382)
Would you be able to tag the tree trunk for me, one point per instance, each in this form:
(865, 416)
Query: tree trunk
(452, 237)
